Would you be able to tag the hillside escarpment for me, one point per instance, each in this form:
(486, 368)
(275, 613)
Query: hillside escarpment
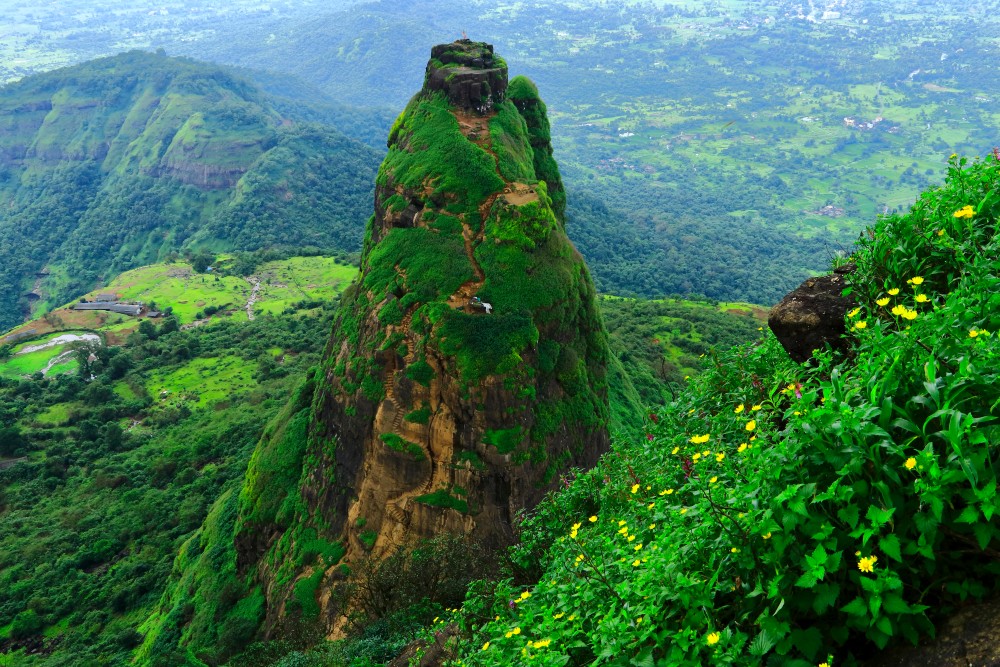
(115, 163)
(467, 369)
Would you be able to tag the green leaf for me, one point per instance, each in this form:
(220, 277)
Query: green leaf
(855, 607)
(807, 580)
(890, 545)
(884, 625)
(969, 515)
(894, 604)
(644, 659)
(875, 605)
(817, 558)
(879, 516)
(761, 644)
(984, 534)
(849, 515)
(809, 642)
(825, 597)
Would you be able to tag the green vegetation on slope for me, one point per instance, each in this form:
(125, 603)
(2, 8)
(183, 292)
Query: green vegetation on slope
(116, 477)
(791, 513)
(118, 162)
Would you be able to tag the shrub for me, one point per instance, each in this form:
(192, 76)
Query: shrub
(792, 514)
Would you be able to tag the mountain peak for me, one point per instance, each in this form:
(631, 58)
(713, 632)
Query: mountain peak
(469, 73)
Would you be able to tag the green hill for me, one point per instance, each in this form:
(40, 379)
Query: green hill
(106, 471)
(115, 163)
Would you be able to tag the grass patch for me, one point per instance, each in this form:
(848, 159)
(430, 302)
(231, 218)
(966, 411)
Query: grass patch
(505, 440)
(202, 382)
(398, 444)
(444, 498)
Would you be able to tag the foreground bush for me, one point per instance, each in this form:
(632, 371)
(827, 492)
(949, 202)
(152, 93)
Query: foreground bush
(786, 514)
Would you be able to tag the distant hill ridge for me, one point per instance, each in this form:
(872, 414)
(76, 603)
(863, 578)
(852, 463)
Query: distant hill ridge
(114, 163)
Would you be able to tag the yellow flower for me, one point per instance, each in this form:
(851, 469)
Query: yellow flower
(719, 457)
(884, 301)
(894, 291)
(910, 464)
(861, 324)
(650, 506)
(623, 530)
(742, 448)
(940, 232)
(739, 409)
(713, 638)
(638, 547)
(751, 425)
(675, 450)
(973, 333)
(767, 535)
(823, 664)
(684, 510)
(486, 646)
(635, 487)
(964, 212)
(622, 522)
(756, 408)
(592, 519)
(713, 480)
(910, 315)
(541, 643)
(916, 280)
(921, 298)
(696, 456)
(652, 526)
(706, 453)
(699, 439)
(525, 595)
(631, 538)
(636, 563)
(854, 312)
(866, 564)
(559, 615)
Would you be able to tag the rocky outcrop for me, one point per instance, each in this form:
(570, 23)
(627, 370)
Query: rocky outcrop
(812, 316)
(467, 367)
(469, 73)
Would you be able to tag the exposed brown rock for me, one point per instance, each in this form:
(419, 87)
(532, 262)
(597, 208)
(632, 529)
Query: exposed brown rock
(969, 638)
(409, 438)
(469, 73)
(812, 316)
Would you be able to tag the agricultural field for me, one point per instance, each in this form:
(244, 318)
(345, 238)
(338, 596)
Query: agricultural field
(45, 345)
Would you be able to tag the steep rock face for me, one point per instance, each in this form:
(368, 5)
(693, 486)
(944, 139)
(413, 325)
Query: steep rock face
(469, 73)
(467, 369)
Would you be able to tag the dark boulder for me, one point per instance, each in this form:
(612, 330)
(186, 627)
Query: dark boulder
(812, 316)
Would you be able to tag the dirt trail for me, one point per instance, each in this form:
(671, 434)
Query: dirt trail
(255, 281)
